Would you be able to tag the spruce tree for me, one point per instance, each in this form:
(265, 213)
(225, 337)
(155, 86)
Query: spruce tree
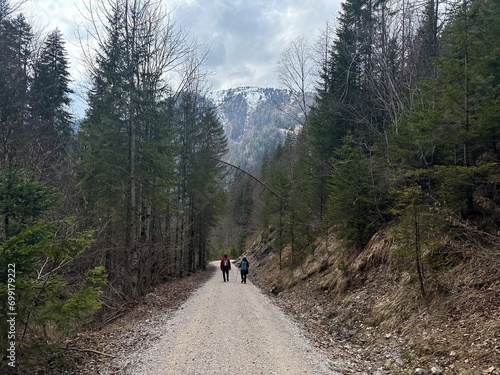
(138, 138)
(50, 88)
(40, 251)
(15, 60)
(50, 119)
(126, 137)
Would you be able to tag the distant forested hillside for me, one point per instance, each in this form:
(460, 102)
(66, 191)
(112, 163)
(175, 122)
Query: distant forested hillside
(256, 120)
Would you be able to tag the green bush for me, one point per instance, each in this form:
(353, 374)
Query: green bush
(48, 306)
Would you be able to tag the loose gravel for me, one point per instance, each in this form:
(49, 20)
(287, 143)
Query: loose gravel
(228, 328)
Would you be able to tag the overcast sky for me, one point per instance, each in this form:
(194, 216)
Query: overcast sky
(246, 37)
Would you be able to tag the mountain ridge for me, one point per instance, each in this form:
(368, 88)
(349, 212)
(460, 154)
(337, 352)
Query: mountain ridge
(255, 119)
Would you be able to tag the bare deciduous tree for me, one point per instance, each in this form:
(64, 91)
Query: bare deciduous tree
(295, 71)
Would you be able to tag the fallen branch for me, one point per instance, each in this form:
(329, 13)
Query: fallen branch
(113, 318)
(92, 351)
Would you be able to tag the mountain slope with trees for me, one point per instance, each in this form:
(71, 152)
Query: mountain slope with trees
(369, 302)
(255, 120)
(391, 187)
(393, 138)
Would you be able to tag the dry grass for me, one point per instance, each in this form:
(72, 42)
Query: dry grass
(373, 303)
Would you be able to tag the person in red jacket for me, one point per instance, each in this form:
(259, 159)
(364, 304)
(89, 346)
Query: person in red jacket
(225, 266)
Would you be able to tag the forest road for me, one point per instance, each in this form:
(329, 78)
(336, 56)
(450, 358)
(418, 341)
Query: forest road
(230, 328)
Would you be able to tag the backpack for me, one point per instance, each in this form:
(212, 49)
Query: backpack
(225, 263)
(244, 265)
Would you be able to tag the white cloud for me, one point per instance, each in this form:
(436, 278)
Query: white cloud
(246, 37)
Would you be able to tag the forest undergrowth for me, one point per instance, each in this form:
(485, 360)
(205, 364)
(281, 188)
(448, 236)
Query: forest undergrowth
(113, 334)
(365, 301)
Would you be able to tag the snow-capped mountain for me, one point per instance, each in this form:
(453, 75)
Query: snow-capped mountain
(255, 119)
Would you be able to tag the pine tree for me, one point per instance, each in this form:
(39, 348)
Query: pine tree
(127, 156)
(39, 250)
(49, 125)
(15, 42)
(50, 88)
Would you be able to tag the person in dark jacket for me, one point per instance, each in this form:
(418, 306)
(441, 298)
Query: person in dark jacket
(244, 266)
(225, 266)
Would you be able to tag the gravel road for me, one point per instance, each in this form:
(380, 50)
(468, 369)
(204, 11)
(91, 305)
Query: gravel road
(229, 328)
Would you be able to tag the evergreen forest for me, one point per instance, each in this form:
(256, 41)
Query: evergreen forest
(97, 212)
(403, 133)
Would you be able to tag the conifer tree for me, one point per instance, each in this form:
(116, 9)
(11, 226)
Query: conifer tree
(127, 134)
(50, 88)
(450, 118)
(199, 183)
(343, 105)
(208, 183)
(50, 119)
(141, 140)
(40, 250)
(15, 60)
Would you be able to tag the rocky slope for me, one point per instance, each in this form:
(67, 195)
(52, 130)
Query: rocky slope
(255, 119)
(365, 301)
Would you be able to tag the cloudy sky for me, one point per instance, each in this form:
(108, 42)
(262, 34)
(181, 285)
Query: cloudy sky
(245, 37)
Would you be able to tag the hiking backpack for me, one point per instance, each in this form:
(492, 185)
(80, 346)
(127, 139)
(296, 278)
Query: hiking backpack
(244, 265)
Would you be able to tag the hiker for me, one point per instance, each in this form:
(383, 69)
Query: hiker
(244, 266)
(225, 266)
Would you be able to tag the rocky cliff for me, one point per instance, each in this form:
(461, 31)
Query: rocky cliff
(255, 119)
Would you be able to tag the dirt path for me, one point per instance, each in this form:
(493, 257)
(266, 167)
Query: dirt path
(229, 328)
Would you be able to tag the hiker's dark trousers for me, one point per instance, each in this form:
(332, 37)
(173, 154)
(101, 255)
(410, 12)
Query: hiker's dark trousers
(244, 276)
(225, 273)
